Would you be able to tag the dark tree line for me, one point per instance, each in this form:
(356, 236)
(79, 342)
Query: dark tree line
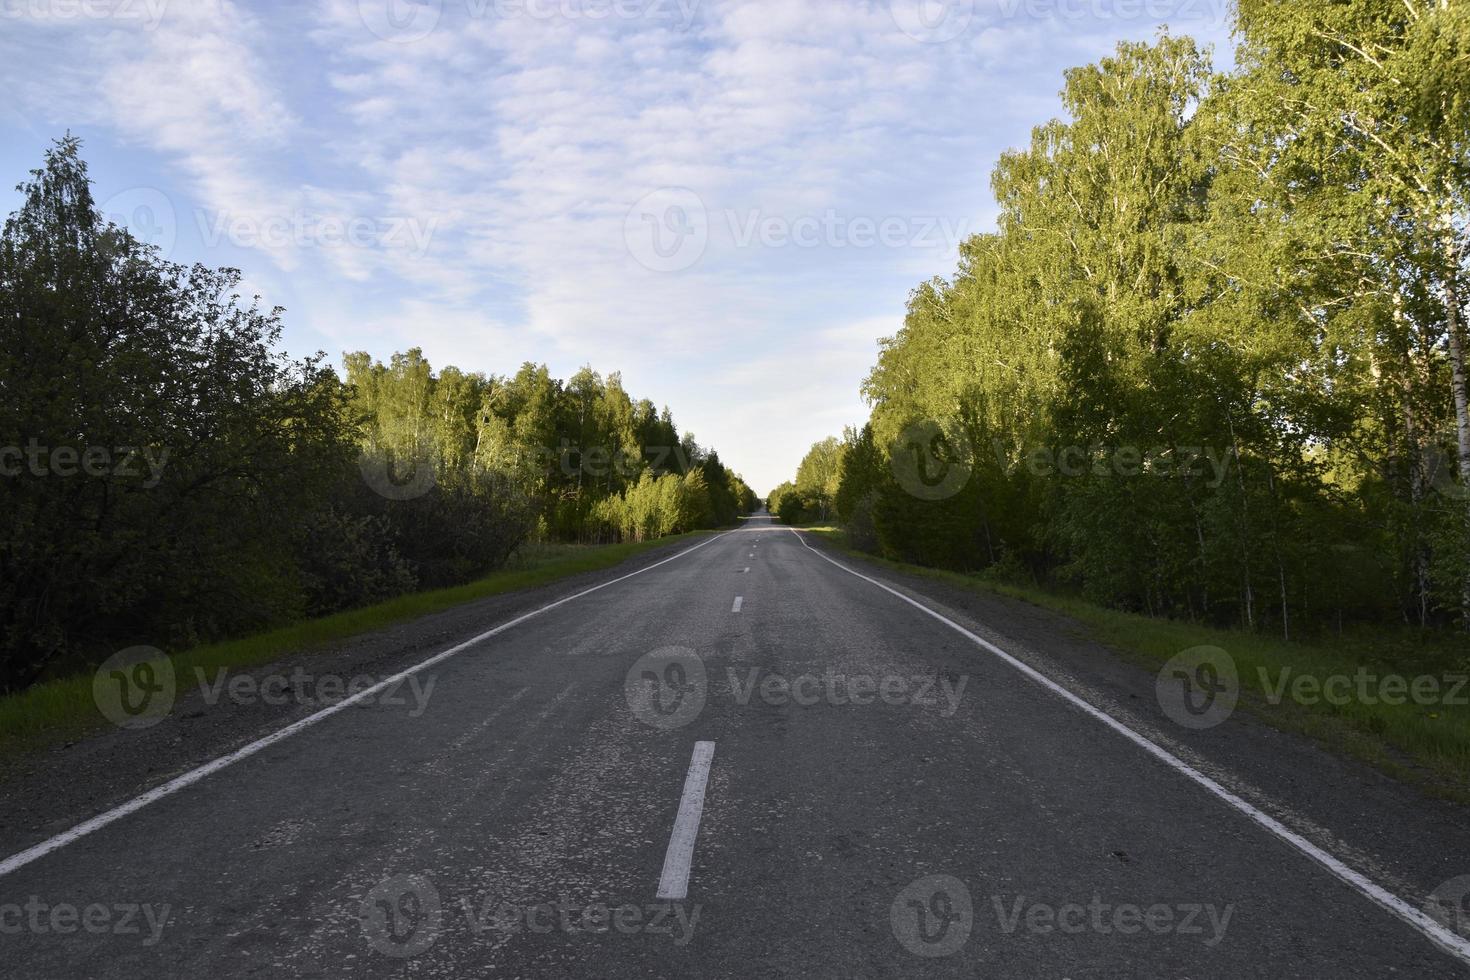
(168, 476)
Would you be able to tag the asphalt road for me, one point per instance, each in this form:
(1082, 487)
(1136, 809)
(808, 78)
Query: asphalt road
(744, 761)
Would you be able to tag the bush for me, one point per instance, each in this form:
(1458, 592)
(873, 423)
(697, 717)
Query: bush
(346, 560)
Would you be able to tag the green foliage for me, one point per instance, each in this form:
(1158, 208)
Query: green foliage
(1211, 364)
(170, 478)
(812, 497)
(860, 473)
(202, 450)
(655, 507)
(592, 463)
(589, 460)
(860, 480)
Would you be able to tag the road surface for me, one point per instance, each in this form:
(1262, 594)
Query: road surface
(743, 761)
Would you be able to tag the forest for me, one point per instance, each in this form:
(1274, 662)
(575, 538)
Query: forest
(1211, 363)
(169, 476)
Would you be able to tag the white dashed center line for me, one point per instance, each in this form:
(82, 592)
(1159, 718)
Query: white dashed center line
(674, 882)
(738, 600)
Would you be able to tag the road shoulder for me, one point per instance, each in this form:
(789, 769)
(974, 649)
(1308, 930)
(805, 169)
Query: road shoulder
(51, 787)
(1395, 833)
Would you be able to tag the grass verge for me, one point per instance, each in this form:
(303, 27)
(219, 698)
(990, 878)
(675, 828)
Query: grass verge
(63, 708)
(1424, 739)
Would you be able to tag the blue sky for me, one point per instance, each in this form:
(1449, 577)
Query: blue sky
(728, 202)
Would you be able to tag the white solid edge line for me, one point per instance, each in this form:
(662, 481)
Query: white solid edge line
(21, 859)
(1448, 940)
(674, 881)
(739, 600)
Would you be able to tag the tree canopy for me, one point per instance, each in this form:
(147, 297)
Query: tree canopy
(168, 476)
(1212, 361)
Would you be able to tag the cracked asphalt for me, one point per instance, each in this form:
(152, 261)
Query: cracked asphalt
(885, 798)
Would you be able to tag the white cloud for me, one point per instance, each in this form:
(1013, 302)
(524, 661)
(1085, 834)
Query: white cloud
(514, 146)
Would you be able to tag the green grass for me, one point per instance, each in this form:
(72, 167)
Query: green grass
(63, 708)
(1425, 744)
